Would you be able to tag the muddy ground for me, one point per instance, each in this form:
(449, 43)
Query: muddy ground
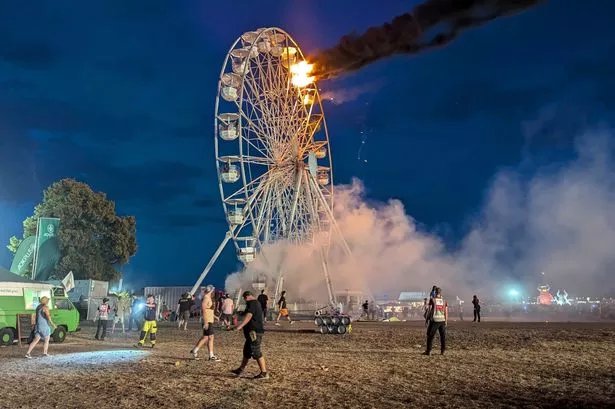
(379, 365)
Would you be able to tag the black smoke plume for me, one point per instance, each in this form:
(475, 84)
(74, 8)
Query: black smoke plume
(431, 24)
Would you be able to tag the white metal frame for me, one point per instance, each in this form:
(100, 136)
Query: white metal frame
(282, 133)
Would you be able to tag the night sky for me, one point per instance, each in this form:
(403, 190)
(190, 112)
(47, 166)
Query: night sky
(120, 95)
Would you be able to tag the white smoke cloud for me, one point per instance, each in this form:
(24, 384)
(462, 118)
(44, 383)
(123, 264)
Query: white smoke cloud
(560, 221)
(342, 95)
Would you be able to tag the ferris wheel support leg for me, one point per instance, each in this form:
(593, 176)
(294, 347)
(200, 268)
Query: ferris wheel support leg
(330, 215)
(209, 265)
(278, 288)
(293, 210)
(337, 230)
(325, 268)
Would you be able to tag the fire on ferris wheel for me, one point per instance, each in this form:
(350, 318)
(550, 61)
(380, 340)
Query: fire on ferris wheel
(272, 152)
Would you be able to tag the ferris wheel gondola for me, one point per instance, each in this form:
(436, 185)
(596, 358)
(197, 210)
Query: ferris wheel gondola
(272, 150)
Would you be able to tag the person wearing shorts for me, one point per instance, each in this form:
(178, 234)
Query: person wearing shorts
(207, 306)
(227, 311)
(183, 310)
(283, 309)
(43, 326)
(253, 331)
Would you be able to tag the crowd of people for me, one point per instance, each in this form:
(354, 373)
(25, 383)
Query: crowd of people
(221, 308)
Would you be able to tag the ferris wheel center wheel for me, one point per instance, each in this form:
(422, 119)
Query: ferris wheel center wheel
(272, 146)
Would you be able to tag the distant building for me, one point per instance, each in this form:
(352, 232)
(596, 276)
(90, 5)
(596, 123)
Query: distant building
(412, 296)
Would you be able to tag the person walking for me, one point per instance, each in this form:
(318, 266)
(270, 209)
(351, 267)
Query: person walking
(165, 312)
(476, 304)
(283, 309)
(134, 313)
(365, 306)
(253, 331)
(184, 305)
(438, 318)
(263, 300)
(43, 326)
(121, 306)
(102, 317)
(150, 326)
(207, 306)
(227, 311)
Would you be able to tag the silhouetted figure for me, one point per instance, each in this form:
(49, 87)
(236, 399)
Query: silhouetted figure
(476, 304)
(263, 300)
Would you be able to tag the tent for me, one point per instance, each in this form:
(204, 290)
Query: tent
(8, 279)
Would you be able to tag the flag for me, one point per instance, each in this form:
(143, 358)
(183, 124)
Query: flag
(68, 282)
(24, 255)
(47, 248)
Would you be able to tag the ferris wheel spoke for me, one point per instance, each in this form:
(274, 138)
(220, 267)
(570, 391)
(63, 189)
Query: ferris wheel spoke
(249, 187)
(277, 131)
(256, 129)
(259, 114)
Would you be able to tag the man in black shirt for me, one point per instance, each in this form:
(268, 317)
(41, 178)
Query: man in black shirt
(253, 330)
(476, 304)
(283, 309)
(366, 309)
(183, 310)
(262, 300)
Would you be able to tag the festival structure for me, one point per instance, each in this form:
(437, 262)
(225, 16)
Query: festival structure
(272, 152)
(544, 295)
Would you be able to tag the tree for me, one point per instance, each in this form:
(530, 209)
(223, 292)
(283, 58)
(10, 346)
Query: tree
(13, 245)
(93, 239)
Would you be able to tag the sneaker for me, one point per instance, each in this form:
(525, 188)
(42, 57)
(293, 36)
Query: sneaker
(214, 359)
(292, 322)
(137, 345)
(237, 371)
(262, 375)
(195, 354)
(46, 355)
(28, 356)
(441, 352)
(277, 323)
(153, 345)
(427, 353)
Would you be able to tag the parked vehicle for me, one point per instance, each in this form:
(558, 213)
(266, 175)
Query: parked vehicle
(19, 295)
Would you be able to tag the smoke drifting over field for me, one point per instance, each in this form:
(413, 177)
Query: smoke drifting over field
(560, 221)
(431, 24)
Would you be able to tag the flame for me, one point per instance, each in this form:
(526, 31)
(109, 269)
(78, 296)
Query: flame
(300, 74)
(308, 99)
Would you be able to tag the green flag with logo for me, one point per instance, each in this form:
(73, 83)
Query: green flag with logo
(47, 248)
(24, 256)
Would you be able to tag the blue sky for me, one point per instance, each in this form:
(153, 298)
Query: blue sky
(120, 95)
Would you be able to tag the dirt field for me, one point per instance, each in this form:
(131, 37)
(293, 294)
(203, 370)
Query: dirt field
(379, 365)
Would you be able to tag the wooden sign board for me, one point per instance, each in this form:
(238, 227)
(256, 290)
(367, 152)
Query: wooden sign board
(24, 326)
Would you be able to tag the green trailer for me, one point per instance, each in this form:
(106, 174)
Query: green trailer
(19, 295)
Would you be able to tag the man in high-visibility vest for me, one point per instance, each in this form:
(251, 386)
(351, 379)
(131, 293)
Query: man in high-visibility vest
(438, 317)
(150, 326)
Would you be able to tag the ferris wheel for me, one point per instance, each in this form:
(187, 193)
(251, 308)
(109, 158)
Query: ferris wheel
(272, 148)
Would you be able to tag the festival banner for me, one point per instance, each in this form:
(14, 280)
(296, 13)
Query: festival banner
(47, 248)
(24, 256)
